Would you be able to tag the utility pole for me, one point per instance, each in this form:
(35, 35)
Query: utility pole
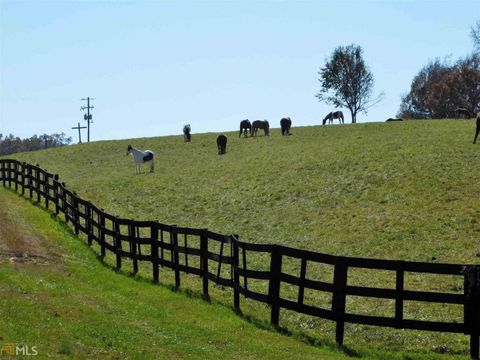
(79, 133)
(87, 117)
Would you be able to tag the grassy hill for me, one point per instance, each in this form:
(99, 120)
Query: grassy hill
(388, 190)
(56, 296)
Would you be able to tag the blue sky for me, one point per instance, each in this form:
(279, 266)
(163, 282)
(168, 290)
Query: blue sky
(153, 66)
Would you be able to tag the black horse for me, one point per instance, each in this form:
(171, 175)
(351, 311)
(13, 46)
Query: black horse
(222, 144)
(245, 126)
(186, 133)
(462, 112)
(478, 128)
(333, 115)
(286, 124)
(260, 124)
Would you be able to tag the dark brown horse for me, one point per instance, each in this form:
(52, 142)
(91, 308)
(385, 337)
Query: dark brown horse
(186, 133)
(478, 128)
(286, 124)
(333, 115)
(222, 144)
(260, 124)
(245, 126)
(462, 113)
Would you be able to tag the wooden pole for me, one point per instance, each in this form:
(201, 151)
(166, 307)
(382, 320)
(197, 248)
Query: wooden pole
(79, 132)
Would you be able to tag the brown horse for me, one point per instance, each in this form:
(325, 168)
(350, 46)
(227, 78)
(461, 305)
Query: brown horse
(186, 133)
(333, 115)
(393, 119)
(245, 126)
(286, 124)
(222, 144)
(478, 128)
(260, 124)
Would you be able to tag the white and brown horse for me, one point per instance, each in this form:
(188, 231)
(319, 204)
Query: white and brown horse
(333, 115)
(141, 157)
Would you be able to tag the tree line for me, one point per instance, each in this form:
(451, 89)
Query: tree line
(11, 144)
(440, 88)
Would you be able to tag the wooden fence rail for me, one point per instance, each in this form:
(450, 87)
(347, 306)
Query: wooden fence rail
(222, 259)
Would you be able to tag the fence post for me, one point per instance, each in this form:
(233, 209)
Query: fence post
(30, 189)
(400, 277)
(301, 287)
(37, 185)
(132, 233)
(65, 205)
(204, 262)
(176, 263)
(154, 251)
(76, 217)
(9, 171)
(338, 301)
(88, 220)
(55, 193)
(23, 165)
(472, 307)
(101, 232)
(16, 175)
(118, 245)
(274, 284)
(46, 187)
(2, 168)
(236, 275)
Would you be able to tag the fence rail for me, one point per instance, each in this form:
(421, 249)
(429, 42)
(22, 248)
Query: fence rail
(222, 259)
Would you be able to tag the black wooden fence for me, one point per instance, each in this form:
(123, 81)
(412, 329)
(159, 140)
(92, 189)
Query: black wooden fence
(222, 259)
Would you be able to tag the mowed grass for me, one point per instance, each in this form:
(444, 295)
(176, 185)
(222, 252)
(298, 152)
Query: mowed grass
(71, 306)
(381, 190)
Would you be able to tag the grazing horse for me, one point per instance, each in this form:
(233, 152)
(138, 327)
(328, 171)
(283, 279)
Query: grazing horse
(286, 124)
(141, 157)
(186, 133)
(478, 128)
(260, 124)
(393, 119)
(245, 126)
(333, 115)
(462, 112)
(222, 144)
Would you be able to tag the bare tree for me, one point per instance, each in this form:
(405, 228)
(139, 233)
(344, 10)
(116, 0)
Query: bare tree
(346, 81)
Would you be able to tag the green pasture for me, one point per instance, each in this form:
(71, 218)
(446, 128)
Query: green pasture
(72, 306)
(406, 190)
